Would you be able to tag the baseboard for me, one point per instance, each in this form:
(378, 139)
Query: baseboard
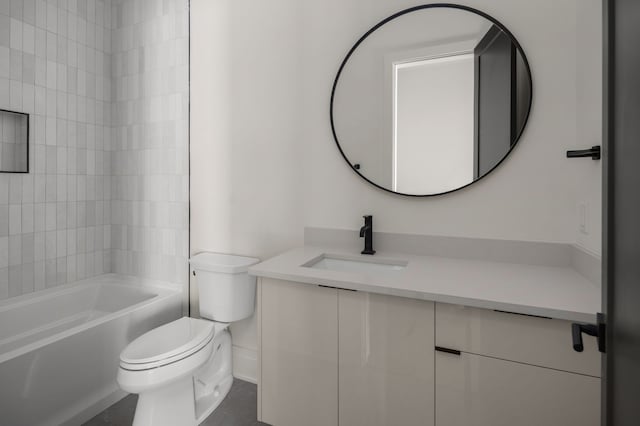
(245, 364)
(87, 413)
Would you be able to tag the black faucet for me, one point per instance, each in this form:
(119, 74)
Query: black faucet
(366, 232)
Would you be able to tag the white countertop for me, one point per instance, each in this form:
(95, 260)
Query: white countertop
(549, 291)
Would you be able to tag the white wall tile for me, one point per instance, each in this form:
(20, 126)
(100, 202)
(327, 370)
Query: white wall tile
(15, 95)
(16, 34)
(4, 252)
(28, 39)
(52, 18)
(4, 94)
(56, 63)
(4, 62)
(29, 11)
(15, 250)
(15, 219)
(28, 248)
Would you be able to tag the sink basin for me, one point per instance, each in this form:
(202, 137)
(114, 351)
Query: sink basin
(344, 264)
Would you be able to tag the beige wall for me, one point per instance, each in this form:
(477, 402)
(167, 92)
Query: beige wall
(264, 165)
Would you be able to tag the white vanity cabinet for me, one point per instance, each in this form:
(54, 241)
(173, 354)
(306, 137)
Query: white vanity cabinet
(507, 369)
(352, 358)
(385, 358)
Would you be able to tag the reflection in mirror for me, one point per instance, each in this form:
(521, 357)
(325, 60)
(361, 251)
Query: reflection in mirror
(14, 145)
(431, 100)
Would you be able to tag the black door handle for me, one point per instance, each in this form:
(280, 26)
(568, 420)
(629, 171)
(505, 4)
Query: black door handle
(597, 330)
(594, 153)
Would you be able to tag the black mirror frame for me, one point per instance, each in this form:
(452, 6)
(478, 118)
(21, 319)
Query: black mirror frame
(397, 15)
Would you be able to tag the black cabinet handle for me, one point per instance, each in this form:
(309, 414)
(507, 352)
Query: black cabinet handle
(594, 153)
(447, 350)
(576, 334)
(336, 288)
(597, 330)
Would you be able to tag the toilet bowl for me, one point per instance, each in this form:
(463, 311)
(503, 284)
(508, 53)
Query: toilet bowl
(183, 370)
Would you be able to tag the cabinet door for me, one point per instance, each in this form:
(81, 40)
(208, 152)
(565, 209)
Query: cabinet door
(299, 354)
(474, 390)
(385, 360)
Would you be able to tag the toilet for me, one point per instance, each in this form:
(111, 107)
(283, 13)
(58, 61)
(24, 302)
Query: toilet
(182, 370)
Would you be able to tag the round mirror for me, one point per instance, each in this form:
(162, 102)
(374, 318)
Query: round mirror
(431, 99)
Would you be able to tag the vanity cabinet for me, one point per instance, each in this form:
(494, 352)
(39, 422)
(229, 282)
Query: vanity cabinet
(339, 357)
(385, 360)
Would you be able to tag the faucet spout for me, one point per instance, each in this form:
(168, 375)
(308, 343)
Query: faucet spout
(366, 232)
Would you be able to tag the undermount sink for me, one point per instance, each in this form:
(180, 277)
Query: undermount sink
(345, 264)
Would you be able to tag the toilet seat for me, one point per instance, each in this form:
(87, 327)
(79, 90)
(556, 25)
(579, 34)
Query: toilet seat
(167, 344)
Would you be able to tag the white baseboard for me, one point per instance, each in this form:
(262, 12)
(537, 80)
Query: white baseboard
(87, 413)
(245, 364)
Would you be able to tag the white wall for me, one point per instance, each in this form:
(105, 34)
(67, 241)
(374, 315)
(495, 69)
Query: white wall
(264, 165)
(589, 119)
(246, 152)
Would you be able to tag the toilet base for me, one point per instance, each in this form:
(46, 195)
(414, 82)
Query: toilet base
(167, 406)
(206, 404)
(213, 381)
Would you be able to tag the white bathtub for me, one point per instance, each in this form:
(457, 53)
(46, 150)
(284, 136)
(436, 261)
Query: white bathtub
(59, 348)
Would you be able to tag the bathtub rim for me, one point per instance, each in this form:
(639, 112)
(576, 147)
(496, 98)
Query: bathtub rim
(165, 290)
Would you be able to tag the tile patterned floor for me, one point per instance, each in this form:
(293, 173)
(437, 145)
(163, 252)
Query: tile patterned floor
(237, 409)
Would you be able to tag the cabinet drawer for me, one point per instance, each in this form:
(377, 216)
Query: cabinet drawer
(530, 340)
(474, 390)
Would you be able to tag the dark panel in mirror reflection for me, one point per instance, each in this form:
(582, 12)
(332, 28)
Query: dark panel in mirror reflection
(14, 142)
(431, 99)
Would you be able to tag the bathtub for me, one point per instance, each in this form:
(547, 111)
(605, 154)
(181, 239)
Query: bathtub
(59, 348)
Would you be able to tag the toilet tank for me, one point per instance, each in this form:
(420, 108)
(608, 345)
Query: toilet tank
(227, 292)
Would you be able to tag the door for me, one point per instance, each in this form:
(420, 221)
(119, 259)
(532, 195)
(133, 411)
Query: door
(621, 200)
(495, 68)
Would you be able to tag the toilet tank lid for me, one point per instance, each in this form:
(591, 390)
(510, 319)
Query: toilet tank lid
(227, 263)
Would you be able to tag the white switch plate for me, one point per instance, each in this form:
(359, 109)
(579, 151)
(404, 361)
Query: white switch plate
(582, 217)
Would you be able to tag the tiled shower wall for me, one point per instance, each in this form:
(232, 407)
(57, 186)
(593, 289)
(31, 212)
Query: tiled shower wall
(108, 184)
(55, 65)
(150, 190)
